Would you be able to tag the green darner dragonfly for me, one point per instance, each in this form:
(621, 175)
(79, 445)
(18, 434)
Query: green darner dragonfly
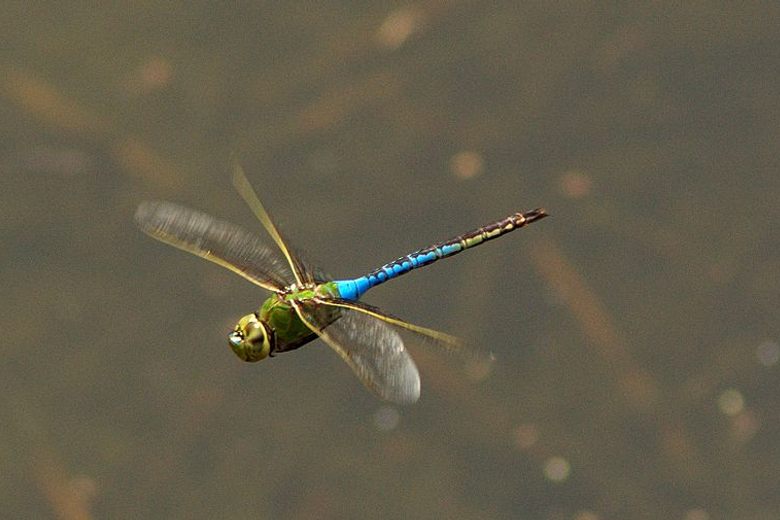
(305, 304)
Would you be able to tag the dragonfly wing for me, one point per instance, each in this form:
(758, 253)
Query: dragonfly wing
(374, 351)
(444, 340)
(301, 272)
(218, 241)
(309, 272)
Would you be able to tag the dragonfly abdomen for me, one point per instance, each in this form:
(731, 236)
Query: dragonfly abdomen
(353, 289)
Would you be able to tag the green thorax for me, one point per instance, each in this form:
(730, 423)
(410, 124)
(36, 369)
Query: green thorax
(280, 315)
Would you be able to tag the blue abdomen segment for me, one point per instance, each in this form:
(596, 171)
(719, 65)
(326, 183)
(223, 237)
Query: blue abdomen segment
(352, 289)
(355, 288)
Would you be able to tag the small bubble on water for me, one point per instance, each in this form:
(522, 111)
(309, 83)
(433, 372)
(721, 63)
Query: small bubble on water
(526, 436)
(557, 469)
(731, 402)
(768, 353)
(586, 515)
(696, 514)
(467, 164)
(386, 418)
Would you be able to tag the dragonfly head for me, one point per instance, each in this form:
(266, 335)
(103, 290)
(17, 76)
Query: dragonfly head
(252, 339)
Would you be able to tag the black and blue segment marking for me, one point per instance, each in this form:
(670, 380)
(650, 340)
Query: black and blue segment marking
(355, 288)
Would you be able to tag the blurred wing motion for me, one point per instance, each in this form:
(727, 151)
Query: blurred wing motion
(373, 350)
(220, 242)
(302, 273)
(441, 339)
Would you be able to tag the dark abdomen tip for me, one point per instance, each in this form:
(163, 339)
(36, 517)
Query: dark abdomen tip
(534, 215)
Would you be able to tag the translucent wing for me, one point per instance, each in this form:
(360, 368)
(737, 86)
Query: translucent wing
(223, 243)
(301, 272)
(373, 350)
(441, 339)
(473, 354)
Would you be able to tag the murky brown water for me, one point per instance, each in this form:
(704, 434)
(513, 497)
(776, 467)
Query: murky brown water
(636, 331)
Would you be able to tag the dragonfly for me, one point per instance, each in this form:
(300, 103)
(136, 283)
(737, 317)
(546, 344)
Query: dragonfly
(305, 304)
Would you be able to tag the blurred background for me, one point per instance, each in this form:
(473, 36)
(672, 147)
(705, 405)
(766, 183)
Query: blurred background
(636, 330)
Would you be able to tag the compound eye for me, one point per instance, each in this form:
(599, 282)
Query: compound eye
(255, 332)
(251, 339)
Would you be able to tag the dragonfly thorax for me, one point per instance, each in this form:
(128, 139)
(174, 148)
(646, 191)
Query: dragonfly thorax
(295, 288)
(276, 327)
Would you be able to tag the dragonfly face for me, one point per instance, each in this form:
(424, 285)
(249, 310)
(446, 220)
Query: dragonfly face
(252, 339)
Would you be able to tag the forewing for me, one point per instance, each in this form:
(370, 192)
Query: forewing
(301, 272)
(374, 350)
(218, 241)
